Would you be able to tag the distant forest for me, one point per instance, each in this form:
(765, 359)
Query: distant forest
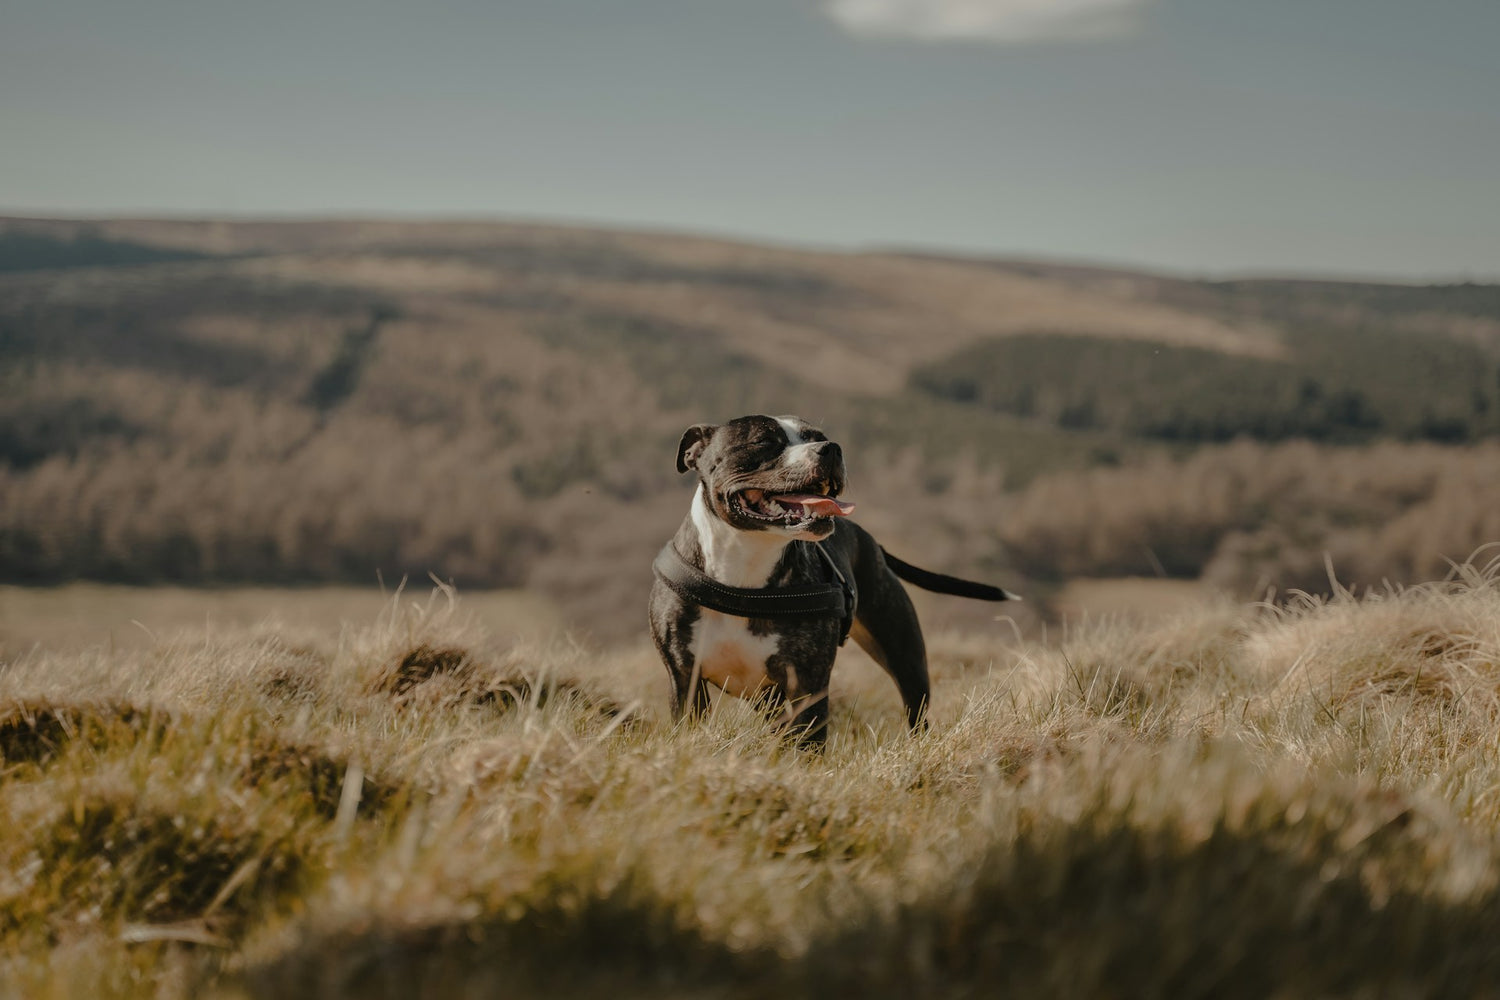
(32, 251)
(1341, 386)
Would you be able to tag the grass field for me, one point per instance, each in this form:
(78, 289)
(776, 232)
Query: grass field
(1236, 801)
(78, 615)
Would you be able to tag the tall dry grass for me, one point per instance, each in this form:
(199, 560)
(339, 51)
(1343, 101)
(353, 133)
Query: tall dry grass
(1300, 800)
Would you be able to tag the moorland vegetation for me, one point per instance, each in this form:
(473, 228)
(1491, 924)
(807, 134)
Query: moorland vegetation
(1241, 802)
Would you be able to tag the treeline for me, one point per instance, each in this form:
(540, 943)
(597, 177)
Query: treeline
(1335, 386)
(29, 251)
(1250, 516)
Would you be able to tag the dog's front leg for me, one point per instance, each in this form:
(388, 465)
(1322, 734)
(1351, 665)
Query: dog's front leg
(690, 695)
(799, 700)
(807, 719)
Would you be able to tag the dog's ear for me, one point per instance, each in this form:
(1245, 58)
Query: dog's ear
(694, 440)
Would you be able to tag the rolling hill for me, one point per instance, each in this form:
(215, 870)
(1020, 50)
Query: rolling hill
(497, 404)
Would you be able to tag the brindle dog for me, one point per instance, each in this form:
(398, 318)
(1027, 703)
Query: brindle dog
(767, 502)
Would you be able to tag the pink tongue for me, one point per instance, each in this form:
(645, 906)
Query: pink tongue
(817, 506)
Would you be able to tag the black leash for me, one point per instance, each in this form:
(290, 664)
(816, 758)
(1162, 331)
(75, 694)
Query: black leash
(832, 600)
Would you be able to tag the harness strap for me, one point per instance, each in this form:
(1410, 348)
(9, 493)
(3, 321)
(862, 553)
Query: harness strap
(851, 599)
(834, 600)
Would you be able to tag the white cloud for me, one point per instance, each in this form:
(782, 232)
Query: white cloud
(986, 20)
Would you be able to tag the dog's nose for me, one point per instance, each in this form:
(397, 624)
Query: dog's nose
(831, 463)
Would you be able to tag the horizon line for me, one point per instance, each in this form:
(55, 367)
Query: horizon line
(917, 248)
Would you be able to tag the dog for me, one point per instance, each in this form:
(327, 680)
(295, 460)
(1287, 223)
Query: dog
(766, 577)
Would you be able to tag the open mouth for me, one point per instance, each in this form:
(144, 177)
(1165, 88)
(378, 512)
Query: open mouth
(791, 509)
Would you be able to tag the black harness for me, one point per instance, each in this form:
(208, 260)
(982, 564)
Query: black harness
(835, 599)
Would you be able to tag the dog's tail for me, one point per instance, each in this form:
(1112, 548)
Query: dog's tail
(939, 583)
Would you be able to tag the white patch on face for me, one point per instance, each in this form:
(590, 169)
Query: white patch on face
(793, 432)
(799, 450)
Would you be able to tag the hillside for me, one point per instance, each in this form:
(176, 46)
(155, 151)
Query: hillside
(497, 404)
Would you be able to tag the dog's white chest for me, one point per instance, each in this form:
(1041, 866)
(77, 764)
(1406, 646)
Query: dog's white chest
(728, 655)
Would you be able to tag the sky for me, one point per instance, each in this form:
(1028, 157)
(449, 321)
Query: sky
(1352, 138)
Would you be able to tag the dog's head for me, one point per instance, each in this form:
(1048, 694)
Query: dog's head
(778, 474)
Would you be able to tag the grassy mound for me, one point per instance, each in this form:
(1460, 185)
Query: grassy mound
(1294, 800)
